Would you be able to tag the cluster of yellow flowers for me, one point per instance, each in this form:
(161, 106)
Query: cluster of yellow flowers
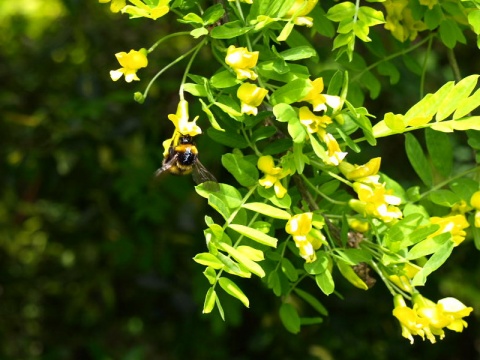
(427, 319)
(305, 230)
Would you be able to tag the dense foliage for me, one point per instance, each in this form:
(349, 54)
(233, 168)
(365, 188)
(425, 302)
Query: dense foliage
(97, 252)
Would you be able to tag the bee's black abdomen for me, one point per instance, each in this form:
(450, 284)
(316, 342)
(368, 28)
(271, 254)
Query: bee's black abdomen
(187, 157)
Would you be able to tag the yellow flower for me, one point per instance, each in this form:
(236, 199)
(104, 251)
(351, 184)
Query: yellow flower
(455, 310)
(131, 63)
(410, 322)
(141, 9)
(475, 202)
(180, 120)
(273, 175)
(250, 96)
(245, 1)
(335, 155)
(358, 225)
(453, 224)
(313, 123)
(306, 238)
(375, 200)
(116, 5)
(319, 100)
(298, 11)
(447, 313)
(366, 173)
(242, 61)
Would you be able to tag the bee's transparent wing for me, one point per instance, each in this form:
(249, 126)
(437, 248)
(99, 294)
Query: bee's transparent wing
(167, 165)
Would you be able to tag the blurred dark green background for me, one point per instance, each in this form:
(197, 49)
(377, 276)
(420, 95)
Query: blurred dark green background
(96, 256)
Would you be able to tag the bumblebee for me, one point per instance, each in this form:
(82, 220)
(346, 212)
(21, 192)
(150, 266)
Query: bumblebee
(182, 159)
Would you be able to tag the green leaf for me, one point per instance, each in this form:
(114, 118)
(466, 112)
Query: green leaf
(318, 149)
(297, 131)
(312, 300)
(209, 303)
(466, 106)
(278, 146)
(289, 270)
(440, 150)
(298, 53)
(220, 308)
(339, 12)
(433, 263)
(229, 30)
(232, 289)
(321, 24)
(219, 205)
(242, 259)
(460, 92)
(284, 112)
(268, 210)
(450, 33)
(213, 14)
(210, 116)
(274, 283)
(311, 320)
(223, 79)
(325, 282)
(229, 139)
(232, 267)
(470, 123)
(191, 18)
(234, 113)
(242, 170)
(418, 160)
(386, 68)
(429, 246)
(291, 92)
(444, 197)
(211, 275)
(290, 318)
(269, 194)
(355, 256)
(348, 273)
(474, 20)
(195, 89)
(251, 253)
(255, 235)
(318, 266)
(208, 259)
(370, 16)
(198, 32)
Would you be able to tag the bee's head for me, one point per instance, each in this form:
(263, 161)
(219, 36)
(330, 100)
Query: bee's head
(185, 139)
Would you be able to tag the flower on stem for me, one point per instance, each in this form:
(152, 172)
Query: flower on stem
(335, 155)
(376, 201)
(319, 100)
(403, 278)
(131, 63)
(180, 120)
(313, 123)
(115, 5)
(273, 175)
(306, 238)
(299, 9)
(410, 322)
(475, 203)
(141, 9)
(446, 313)
(366, 173)
(455, 224)
(242, 61)
(250, 96)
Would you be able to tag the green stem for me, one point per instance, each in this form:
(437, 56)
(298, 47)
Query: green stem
(166, 38)
(318, 192)
(393, 56)
(180, 58)
(189, 65)
(445, 182)
(424, 70)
